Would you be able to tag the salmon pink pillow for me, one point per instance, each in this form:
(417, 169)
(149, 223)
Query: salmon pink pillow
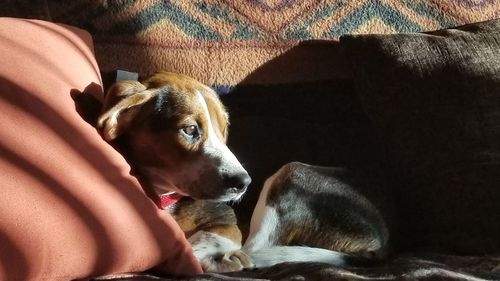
(68, 207)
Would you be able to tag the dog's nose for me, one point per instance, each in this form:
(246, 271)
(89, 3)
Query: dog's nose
(238, 181)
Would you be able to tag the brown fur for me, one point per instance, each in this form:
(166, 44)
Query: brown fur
(196, 215)
(341, 239)
(329, 223)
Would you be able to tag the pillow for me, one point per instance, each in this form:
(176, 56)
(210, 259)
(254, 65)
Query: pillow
(69, 208)
(435, 100)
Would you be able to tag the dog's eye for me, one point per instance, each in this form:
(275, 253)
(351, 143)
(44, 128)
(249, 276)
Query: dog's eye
(191, 132)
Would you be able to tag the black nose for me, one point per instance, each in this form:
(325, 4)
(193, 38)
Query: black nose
(237, 181)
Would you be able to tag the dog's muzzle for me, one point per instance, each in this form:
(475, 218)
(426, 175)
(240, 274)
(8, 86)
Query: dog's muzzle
(235, 186)
(237, 182)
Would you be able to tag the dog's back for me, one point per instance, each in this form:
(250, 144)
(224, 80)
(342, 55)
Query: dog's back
(311, 213)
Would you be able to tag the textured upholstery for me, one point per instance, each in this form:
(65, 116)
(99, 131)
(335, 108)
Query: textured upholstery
(435, 101)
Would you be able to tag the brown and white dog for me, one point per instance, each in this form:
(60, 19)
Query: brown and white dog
(172, 130)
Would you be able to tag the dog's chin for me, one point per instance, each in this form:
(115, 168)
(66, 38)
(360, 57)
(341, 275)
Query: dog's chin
(170, 189)
(232, 198)
(228, 197)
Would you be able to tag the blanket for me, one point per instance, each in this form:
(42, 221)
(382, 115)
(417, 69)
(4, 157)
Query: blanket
(401, 268)
(224, 41)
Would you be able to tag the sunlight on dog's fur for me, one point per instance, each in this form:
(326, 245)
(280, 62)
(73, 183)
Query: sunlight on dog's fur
(173, 130)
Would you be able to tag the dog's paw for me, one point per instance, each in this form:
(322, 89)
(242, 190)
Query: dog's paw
(218, 254)
(231, 261)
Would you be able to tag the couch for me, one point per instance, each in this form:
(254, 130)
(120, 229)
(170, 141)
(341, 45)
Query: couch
(416, 113)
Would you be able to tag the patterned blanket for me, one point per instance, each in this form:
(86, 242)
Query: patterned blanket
(224, 41)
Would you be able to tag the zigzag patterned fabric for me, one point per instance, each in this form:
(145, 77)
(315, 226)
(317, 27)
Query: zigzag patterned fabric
(223, 41)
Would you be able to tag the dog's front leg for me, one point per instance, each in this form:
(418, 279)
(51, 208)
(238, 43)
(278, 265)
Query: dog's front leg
(213, 232)
(218, 249)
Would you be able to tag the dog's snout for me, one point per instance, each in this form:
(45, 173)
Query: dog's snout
(238, 181)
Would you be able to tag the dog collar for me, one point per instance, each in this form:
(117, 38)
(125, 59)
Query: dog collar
(169, 199)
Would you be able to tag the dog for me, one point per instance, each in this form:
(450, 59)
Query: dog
(172, 130)
(309, 213)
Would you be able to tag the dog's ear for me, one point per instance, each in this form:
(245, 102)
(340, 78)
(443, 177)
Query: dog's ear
(119, 91)
(122, 104)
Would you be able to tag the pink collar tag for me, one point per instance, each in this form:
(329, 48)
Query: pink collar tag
(169, 199)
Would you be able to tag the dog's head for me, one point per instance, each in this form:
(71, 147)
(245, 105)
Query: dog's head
(174, 131)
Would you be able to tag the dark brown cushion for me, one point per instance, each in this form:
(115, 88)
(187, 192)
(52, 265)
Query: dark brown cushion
(435, 99)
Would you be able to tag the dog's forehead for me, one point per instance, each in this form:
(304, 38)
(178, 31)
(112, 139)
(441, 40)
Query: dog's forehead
(214, 112)
(188, 98)
(182, 98)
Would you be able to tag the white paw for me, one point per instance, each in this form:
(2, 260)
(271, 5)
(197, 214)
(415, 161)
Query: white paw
(231, 261)
(217, 253)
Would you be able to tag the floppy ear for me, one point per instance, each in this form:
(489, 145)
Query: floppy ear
(124, 102)
(119, 91)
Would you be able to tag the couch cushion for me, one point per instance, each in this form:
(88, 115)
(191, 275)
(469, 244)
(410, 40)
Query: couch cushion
(69, 208)
(435, 100)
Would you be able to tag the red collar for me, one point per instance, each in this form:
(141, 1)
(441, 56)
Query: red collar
(169, 199)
